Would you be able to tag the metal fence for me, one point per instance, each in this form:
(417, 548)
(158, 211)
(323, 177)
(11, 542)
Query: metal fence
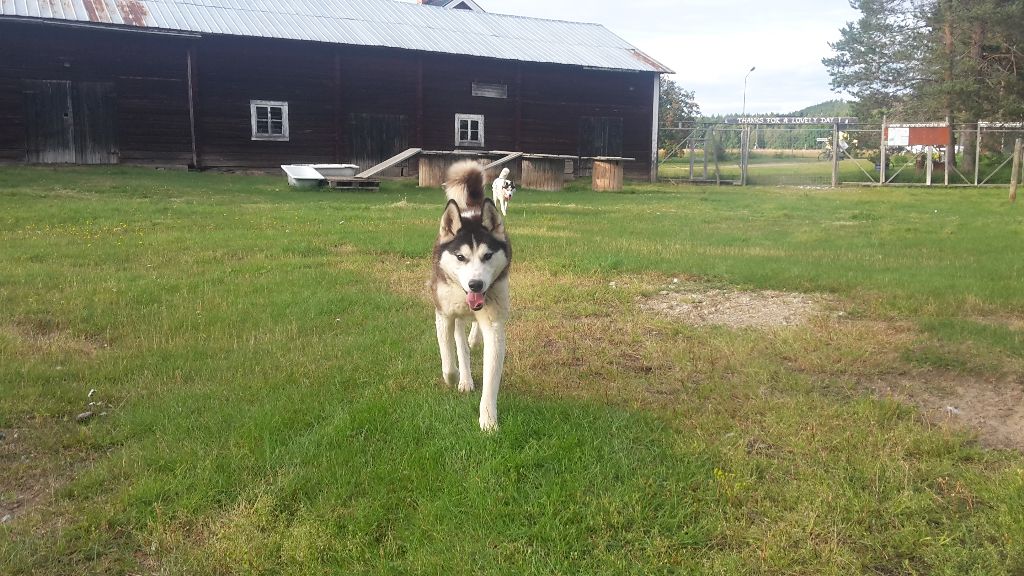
(816, 152)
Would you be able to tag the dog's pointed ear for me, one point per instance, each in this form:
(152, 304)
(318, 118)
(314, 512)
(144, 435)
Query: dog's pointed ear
(451, 221)
(491, 220)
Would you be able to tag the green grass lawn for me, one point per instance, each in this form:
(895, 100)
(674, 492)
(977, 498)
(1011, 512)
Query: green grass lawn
(268, 396)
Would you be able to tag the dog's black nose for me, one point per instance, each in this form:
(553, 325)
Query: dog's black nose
(476, 285)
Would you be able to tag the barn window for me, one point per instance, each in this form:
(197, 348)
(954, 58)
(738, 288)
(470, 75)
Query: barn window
(490, 90)
(269, 120)
(469, 130)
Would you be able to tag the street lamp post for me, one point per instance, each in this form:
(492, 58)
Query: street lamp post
(752, 68)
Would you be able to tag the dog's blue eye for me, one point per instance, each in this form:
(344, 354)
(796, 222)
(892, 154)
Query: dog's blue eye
(488, 256)
(460, 257)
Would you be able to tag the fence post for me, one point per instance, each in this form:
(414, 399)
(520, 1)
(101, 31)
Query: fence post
(835, 154)
(950, 154)
(744, 152)
(881, 165)
(706, 151)
(693, 134)
(714, 146)
(977, 155)
(1015, 172)
(928, 165)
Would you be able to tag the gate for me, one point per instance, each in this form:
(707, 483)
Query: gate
(994, 150)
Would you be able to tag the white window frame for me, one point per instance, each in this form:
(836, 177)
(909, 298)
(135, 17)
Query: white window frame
(479, 119)
(254, 104)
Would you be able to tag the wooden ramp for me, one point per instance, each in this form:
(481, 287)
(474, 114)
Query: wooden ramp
(503, 160)
(393, 161)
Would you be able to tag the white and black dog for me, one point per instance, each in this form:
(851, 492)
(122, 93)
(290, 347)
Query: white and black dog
(502, 189)
(470, 283)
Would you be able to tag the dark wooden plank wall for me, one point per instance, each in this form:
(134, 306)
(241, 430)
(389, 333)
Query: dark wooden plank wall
(232, 71)
(549, 102)
(147, 73)
(325, 85)
(557, 98)
(377, 101)
(447, 91)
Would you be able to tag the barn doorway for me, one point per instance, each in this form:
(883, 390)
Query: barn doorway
(373, 138)
(598, 136)
(70, 123)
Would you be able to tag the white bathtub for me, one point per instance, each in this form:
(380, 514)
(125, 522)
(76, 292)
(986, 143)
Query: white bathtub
(302, 175)
(334, 170)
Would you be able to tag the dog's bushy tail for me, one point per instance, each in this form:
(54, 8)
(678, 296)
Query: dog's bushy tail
(465, 184)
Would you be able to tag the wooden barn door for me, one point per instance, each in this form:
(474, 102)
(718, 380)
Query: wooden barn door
(600, 136)
(49, 123)
(95, 130)
(69, 123)
(374, 138)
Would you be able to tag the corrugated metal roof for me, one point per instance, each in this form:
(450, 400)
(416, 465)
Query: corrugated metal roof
(383, 23)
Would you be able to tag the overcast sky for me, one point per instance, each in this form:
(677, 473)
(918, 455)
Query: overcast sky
(711, 44)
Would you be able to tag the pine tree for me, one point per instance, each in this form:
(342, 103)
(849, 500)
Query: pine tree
(955, 59)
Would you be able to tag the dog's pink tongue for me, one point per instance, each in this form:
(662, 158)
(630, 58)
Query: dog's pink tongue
(475, 300)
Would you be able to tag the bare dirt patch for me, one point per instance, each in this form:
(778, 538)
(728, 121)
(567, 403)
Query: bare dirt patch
(703, 306)
(993, 408)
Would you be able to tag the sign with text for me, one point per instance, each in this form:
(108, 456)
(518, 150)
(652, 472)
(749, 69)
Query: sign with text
(917, 134)
(898, 136)
(791, 120)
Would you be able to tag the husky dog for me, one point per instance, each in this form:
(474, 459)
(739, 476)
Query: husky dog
(502, 189)
(470, 284)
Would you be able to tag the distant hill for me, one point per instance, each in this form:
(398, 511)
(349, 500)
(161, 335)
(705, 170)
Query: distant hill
(822, 109)
(827, 108)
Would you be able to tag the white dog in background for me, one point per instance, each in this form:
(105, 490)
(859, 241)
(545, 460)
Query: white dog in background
(502, 189)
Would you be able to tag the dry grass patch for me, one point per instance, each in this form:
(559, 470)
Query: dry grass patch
(700, 306)
(44, 335)
(1015, 323)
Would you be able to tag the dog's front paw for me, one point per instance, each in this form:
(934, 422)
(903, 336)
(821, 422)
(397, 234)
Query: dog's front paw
(450, 378)
(488, 423)
(466, 385)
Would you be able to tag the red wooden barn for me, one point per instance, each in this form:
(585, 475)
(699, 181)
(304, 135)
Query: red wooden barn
(258, 83)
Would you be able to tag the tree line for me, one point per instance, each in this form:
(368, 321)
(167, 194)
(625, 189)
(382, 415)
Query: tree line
(679, 115)
(933, 59)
